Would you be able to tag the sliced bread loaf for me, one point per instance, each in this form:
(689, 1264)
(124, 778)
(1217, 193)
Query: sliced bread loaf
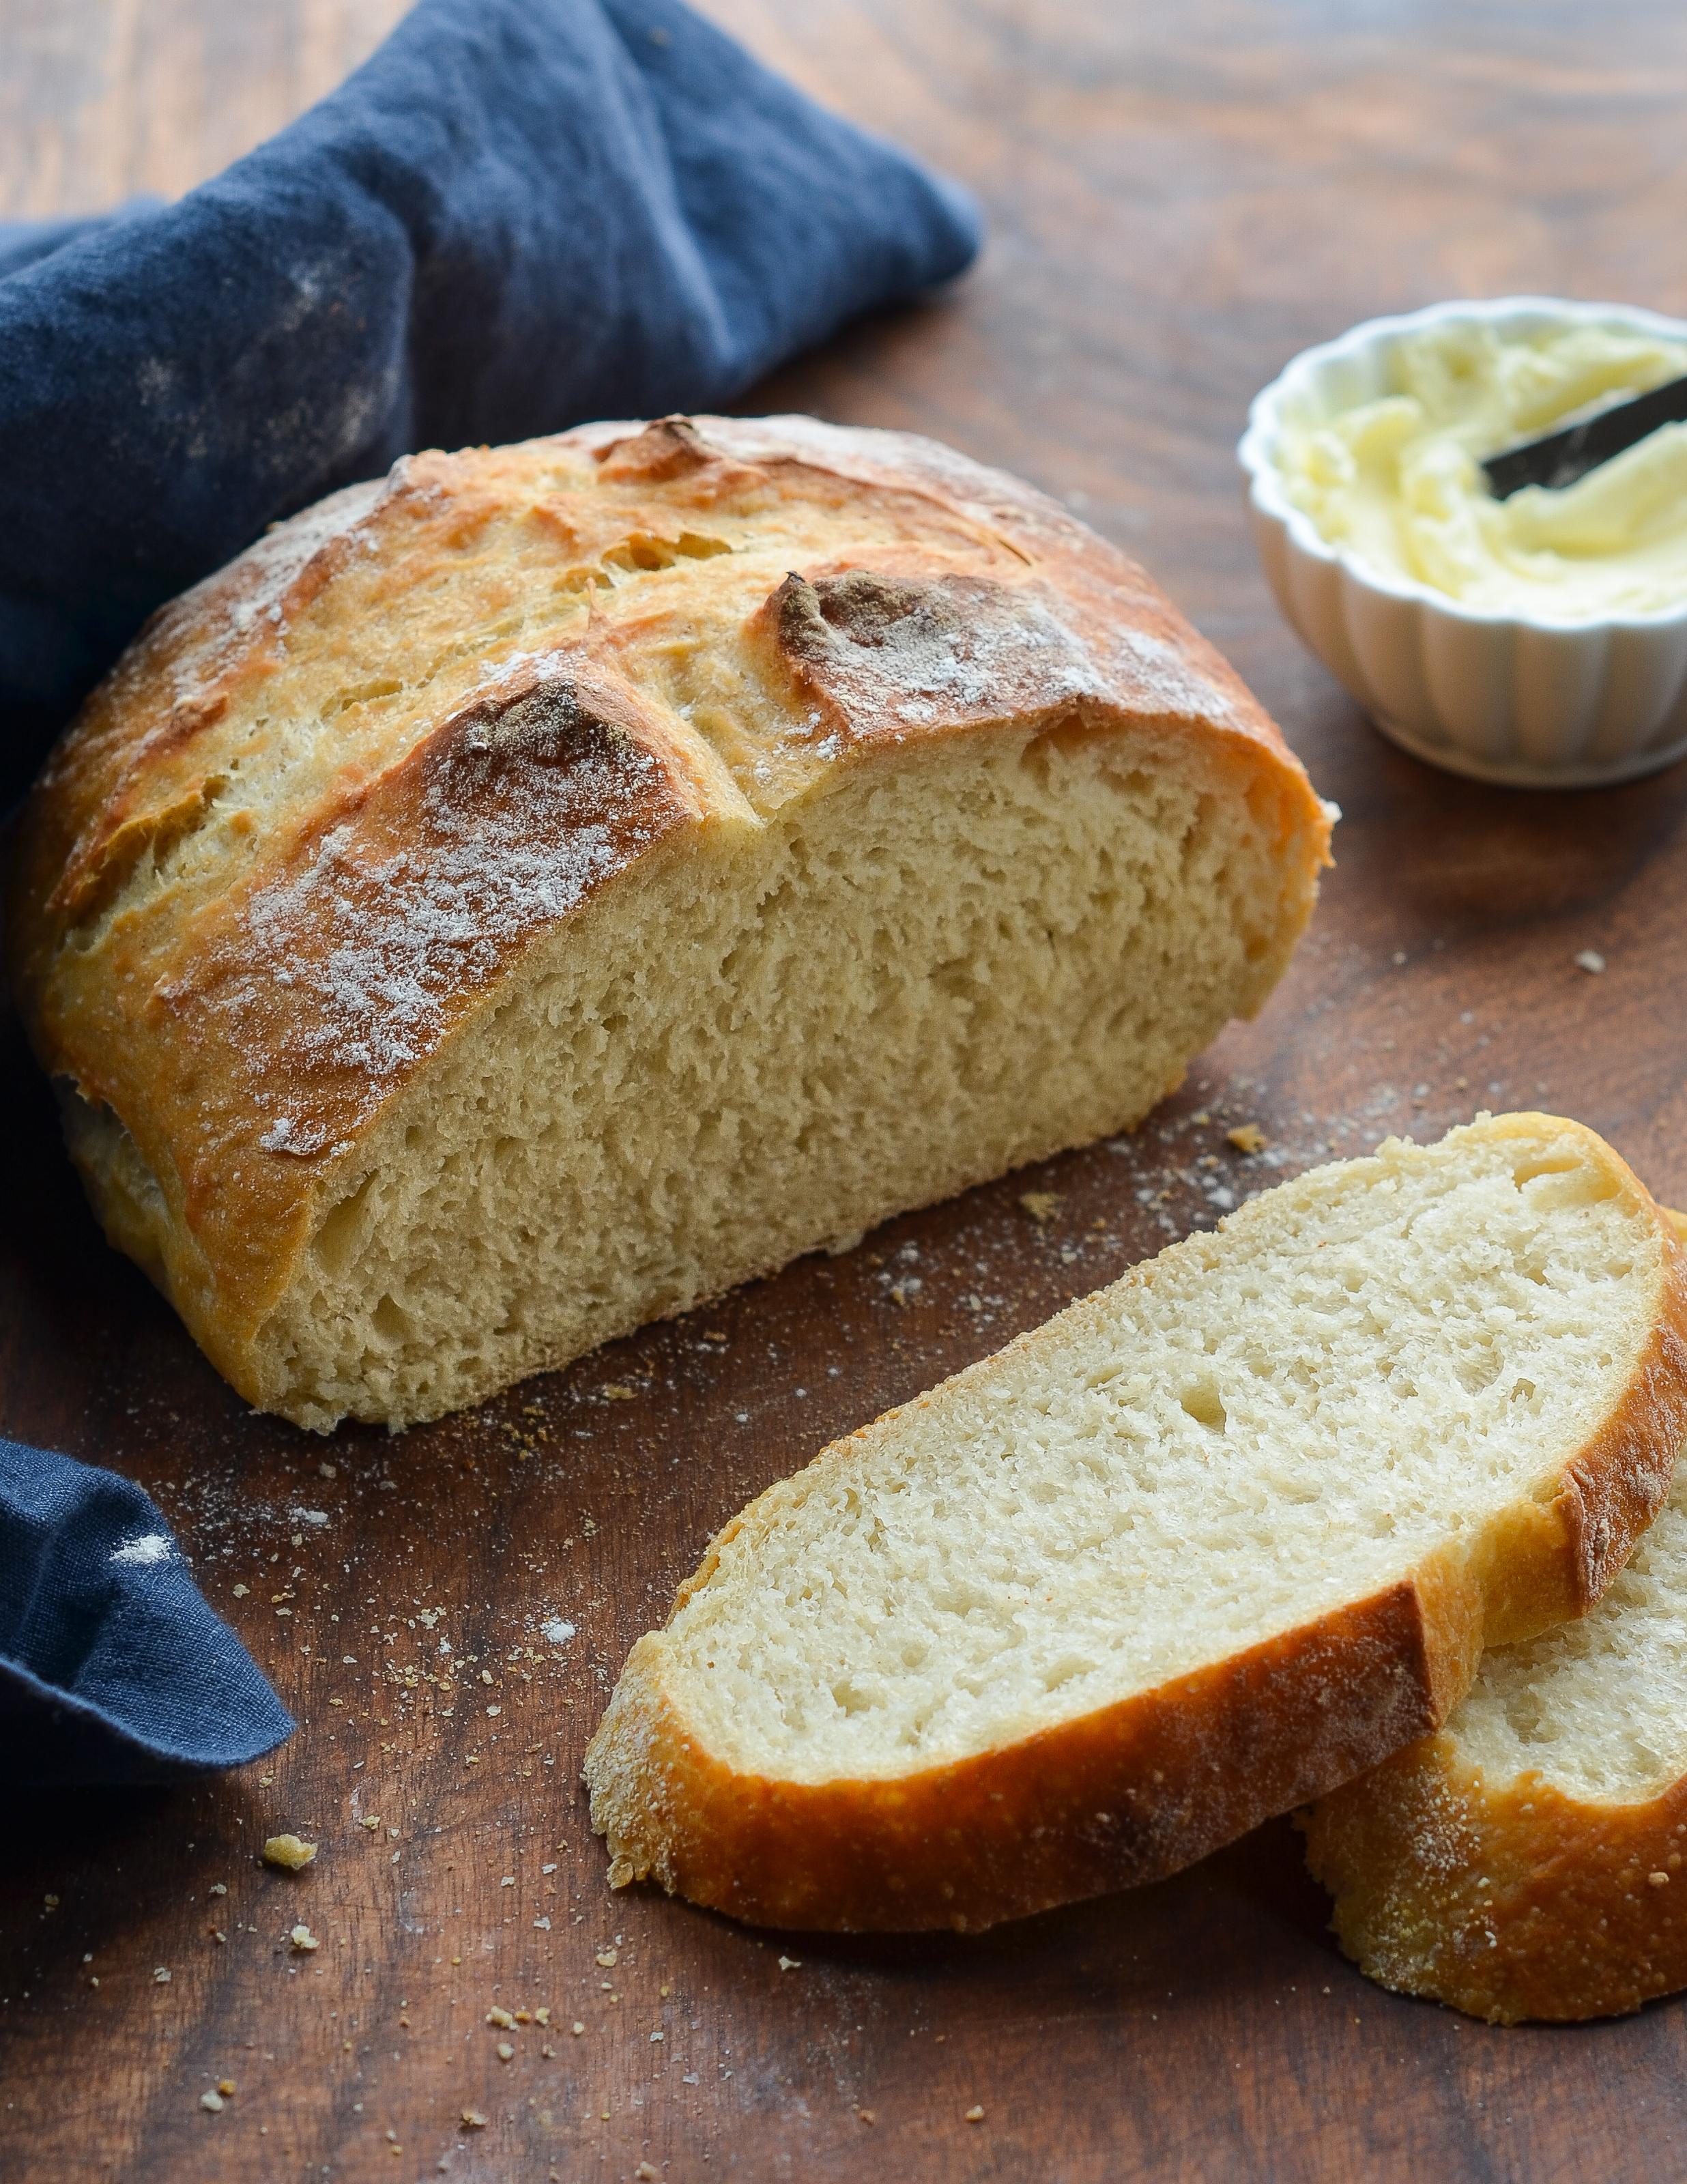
(1215, 1540)
(1526, 1861)
(522, 899)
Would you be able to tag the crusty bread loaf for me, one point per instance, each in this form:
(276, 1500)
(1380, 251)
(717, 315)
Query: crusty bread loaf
(518, 899)
(1214, 1540)
(1526, 1861)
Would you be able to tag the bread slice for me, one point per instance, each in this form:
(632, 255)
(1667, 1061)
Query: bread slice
(1213, 1540)
(1526, 1861)
(525, 897)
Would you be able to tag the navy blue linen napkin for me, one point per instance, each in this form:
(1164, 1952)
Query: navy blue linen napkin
(517, 215)
(112, 1666)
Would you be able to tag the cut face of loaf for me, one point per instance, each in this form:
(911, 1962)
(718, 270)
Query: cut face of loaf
(1530, 1859)
(1213, 1540)
(527, 897)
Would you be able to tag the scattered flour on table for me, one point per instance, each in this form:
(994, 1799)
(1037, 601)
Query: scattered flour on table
(145, 1548)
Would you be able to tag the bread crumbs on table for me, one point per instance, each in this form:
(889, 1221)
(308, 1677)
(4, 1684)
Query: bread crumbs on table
(473, 2120)
(975, 2115)
(1041, 1205)
(303, 1940)
(288, 1852)
(1247, 1138)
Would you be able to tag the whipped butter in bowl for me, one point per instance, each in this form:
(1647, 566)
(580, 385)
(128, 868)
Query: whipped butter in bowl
(1540, 639)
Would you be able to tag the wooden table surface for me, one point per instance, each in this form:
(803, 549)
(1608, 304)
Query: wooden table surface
(1179, 198)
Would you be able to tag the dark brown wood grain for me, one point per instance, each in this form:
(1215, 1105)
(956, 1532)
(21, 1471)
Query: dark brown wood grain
(1179, 199)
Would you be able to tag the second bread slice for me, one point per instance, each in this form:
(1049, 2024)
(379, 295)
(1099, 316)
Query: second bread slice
(1207, 1545)
(1528, 1860)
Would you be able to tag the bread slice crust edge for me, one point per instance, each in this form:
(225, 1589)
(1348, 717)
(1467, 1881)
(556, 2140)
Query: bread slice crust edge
(1134, 1792)
(1512, 1901)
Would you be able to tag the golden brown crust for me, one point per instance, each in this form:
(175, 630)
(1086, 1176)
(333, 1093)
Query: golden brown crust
(1509, 1901)
(1116, 1797)
(1139, 1790)
(322, 806)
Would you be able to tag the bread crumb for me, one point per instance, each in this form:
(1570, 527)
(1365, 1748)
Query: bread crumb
(212, 2101)
(867, 2115)
(621, 1872)
(161, 1974)
(1590, 958)
(226, 2086)
(616, 1391)
(1247, 1138)
(607, 1957)
(647, 2174)
(302, 1939)
(505, 2052)
(790, 1963)
(577, 2028)
(975, 2115)
(499, 2017)
(1657, 1880)
(240, 1591)
(473, 2120)
(1041, 1205)
(289, 1852)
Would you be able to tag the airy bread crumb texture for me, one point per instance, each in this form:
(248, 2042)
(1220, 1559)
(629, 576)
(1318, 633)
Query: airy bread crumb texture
(904, 984)
(1256, 1427)
(1596, 1709)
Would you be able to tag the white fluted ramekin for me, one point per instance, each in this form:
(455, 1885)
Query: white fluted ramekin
(1523, 699)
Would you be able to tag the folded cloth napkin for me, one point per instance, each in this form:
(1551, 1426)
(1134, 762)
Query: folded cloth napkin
(112, 1666)
(518, 215)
